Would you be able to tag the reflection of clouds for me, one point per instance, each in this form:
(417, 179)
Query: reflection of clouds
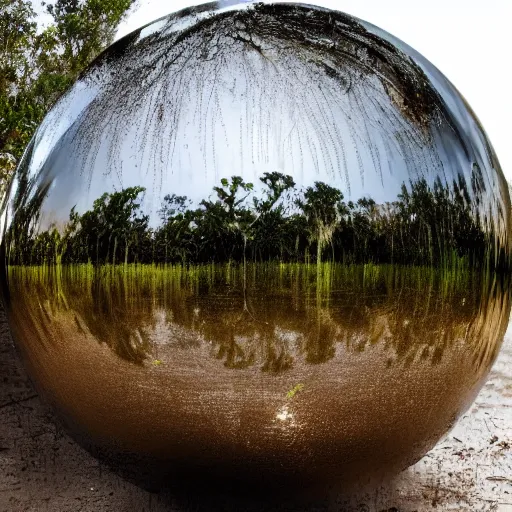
(288, 337)
(152, 29)
(60, 120)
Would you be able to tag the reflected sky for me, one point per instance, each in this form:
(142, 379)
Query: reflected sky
(207, 93)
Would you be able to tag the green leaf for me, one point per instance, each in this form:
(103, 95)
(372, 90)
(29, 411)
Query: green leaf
(296, 389)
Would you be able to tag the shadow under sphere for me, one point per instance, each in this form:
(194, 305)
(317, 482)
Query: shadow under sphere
(265, 240)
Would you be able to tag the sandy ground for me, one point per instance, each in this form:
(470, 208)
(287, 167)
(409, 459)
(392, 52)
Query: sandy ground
(42, 469)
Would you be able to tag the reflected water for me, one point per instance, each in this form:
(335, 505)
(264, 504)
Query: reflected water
(289, 314)
(313, 372)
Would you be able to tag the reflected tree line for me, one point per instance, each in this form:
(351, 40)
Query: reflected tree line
(425, 225)
(145, 314)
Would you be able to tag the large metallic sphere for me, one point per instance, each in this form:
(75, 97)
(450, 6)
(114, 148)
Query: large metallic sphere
(264, 239)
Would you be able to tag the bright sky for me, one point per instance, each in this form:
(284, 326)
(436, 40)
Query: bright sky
(468, 40)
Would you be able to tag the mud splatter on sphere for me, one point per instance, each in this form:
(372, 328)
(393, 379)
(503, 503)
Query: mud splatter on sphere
(267, 239)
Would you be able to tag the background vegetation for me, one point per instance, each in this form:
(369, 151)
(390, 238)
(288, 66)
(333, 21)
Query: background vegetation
(436, 226)
(37, 66)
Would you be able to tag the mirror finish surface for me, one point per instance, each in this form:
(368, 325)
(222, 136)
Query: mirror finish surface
(259, 236)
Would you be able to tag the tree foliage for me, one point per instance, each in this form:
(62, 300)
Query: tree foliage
(37, 67)
(432, 225)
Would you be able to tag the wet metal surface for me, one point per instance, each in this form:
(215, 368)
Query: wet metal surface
(267, 239)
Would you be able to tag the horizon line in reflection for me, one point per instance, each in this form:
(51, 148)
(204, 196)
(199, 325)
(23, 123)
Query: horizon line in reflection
(275, 317)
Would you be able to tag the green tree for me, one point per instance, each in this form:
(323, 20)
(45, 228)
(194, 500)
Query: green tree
(121, 216)
(112, 222)
(17, 32)
(223, 223)
(322, 205)
(83, 28)
(277, 183)
(270, 233)
(173, 239)
(17, 37)
(37, 68)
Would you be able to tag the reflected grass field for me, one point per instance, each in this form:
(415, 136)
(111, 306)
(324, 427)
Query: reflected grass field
(271, 315)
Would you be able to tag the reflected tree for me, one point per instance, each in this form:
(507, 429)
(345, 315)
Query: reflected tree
(323, 207)
(434, 225)
(416, 313)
